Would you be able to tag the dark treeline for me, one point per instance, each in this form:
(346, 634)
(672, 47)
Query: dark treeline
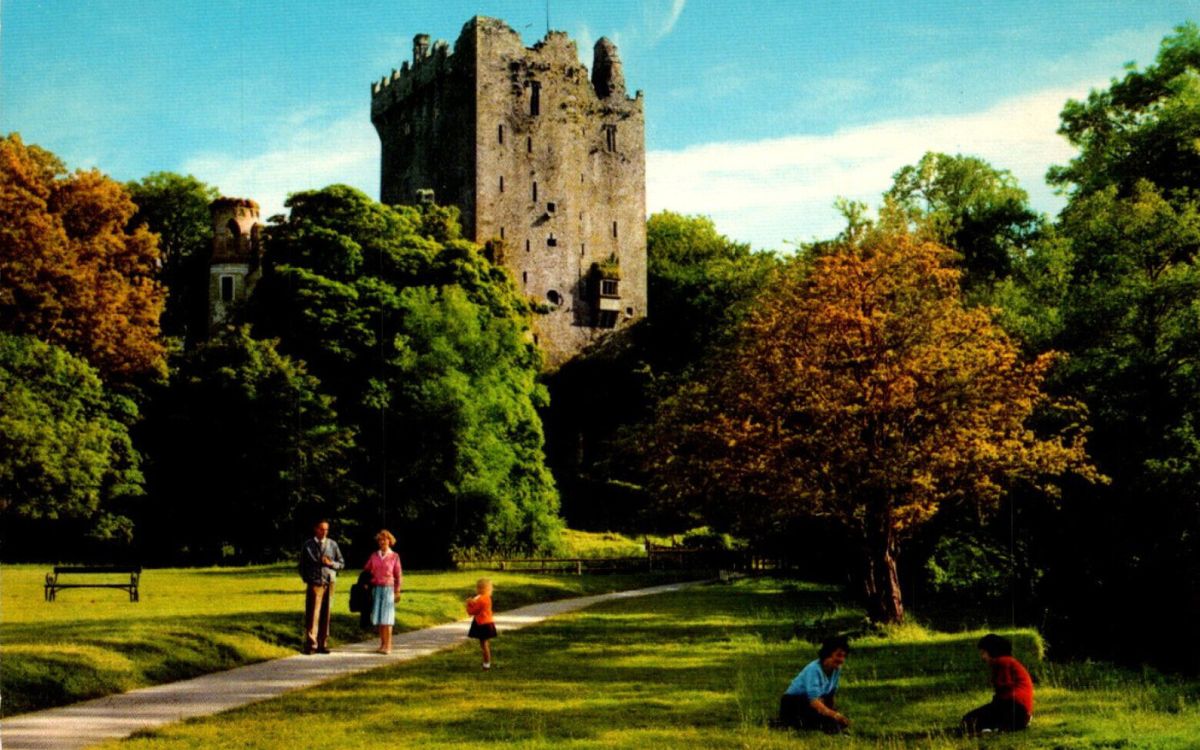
(959, 407)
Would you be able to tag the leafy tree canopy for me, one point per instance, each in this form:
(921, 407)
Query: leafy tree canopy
(1143, 126)
(862, 389)
(176, 208)
(65, 451)
(71, 273)
(247, 452)
(700, 282)
(427, 349)
(971, 207)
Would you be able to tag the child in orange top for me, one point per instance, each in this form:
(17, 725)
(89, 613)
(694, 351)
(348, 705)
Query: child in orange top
(483, 626)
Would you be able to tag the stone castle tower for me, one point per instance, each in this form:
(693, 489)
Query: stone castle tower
(546, 164)
(236, 256)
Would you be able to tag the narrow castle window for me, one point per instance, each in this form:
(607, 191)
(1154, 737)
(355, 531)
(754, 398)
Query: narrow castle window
(535, 192)
(529, 144)
(227, 289)
(582, 248)
(610, 137)
(502, 183)
(614, 229)
(500, 133)
(526, 245)
(535, 98)
(524, 277)
(501, 232)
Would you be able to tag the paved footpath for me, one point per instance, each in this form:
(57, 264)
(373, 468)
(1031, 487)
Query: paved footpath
(116, 716)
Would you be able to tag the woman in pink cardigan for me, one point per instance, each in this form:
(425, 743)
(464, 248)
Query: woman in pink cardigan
(386, 581)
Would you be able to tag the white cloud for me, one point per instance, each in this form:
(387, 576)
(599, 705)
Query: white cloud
(311, 152)
(672, 18)
(782, 189)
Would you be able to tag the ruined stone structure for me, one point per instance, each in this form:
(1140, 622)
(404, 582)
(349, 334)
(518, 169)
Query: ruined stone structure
(236, 256)
(546, 164)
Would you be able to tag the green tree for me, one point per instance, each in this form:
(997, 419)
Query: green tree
(247, 452)
(971, 207)
(426, 348)
(1143, 126)
(65, 451)
(701, 283)
(175, 207)
(1129, 321)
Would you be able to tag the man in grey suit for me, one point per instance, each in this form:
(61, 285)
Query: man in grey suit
(320, 559)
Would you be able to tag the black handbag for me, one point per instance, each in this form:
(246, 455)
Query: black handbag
(360, 593)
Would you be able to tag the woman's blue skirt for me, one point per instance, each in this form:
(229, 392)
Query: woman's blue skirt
(383, 606)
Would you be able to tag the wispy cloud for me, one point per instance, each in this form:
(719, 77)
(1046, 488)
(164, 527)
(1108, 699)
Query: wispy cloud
(311, 152)
(672, 18)
(782, 189)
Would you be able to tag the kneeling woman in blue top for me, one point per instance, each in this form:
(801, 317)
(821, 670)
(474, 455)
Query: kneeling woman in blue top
(808, 702)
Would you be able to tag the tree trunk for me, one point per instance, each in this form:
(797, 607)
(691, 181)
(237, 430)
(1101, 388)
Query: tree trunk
(881, 581)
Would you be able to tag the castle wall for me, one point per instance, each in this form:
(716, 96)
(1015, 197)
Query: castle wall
(557, 172)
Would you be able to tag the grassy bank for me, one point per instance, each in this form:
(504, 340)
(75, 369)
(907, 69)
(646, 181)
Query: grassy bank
(93, 642)
(702, 668)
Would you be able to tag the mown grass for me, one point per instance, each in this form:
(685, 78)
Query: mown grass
(594, 544)
(702, 669)
(94, 642)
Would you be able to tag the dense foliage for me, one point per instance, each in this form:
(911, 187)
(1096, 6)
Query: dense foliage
(1126, 311)
(973, 208)
(72, 274)
(425, 347)
(175, 207)
(245, 452)
(861, 389)
(700, 284)
(65, 451)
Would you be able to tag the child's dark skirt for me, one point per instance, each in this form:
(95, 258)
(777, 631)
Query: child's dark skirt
(482, 632)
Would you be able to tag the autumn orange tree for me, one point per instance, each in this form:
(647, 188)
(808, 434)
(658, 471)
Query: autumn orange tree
(862, 390)
(71, 274)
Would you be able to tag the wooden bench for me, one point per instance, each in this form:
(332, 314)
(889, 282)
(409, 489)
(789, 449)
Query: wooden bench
(53, 585)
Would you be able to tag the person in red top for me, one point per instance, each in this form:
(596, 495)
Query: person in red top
(483, 626)
(1012, 702)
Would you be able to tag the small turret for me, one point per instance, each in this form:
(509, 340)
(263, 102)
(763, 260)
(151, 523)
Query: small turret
(607, 77)
(420, 47)
(235, 265)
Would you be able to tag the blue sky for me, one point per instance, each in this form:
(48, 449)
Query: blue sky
(757, 114)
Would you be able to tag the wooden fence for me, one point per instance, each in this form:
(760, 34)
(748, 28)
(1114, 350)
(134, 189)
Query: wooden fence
(657, 558)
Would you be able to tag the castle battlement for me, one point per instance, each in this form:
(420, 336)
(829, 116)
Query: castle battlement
(554, 52)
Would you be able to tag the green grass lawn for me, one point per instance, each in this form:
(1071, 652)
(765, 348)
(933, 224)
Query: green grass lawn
(698, 669)
(94, 642)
